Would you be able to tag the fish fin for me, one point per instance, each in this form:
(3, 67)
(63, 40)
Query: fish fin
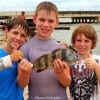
(71, 47)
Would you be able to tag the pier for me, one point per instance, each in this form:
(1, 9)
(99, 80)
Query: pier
(66, 17)
(80, 16)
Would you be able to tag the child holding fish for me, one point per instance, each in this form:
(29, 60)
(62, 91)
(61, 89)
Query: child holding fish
(49, 84)
(16, 33)
(85, 76)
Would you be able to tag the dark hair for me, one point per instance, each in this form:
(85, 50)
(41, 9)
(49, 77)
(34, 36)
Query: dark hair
(17, 22)
(88, 31)
(48, 6)
(23, 12)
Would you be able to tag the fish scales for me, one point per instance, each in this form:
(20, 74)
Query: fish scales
(46, 61)
(50, 60)
(40, 64)
(57, 54)
(43, 62)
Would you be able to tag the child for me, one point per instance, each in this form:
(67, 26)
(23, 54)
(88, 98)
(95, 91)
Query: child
(51, 83)
(16, 34)
(22, 16)
(85, 76)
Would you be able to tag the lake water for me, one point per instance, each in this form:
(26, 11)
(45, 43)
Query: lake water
(65, 35)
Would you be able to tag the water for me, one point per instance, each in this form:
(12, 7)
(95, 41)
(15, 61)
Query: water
(65, 35)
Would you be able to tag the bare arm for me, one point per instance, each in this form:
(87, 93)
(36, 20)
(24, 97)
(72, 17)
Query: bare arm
(24, 71)
(62, 71)
(97, 71)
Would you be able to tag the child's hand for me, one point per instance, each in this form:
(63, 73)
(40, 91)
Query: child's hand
(59, 65)
(90, 63)
(24, 70)
(16, 55)
(63, 44)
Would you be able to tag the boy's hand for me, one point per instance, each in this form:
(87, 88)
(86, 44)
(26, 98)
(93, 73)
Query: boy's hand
(25, 67)
(24, 70)
(91, 63)
(16, 55)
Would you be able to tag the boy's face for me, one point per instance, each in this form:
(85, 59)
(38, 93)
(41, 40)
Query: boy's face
(45, 23)
(15, 37)
(83, 45)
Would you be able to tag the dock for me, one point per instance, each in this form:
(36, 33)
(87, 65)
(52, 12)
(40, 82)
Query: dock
(59, 27)
(65, 18)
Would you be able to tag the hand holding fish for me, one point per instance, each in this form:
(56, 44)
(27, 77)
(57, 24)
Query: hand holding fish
(59, 65)
(62, 71)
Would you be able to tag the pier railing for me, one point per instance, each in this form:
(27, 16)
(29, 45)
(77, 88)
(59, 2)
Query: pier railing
(66, 17)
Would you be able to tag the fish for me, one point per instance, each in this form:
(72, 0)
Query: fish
(68, 55)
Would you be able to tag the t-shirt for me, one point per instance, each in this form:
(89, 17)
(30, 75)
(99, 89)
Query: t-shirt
(43, 85)
(84, 82)
(9, 89)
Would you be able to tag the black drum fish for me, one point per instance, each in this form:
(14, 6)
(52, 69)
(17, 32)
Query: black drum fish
(66, 54)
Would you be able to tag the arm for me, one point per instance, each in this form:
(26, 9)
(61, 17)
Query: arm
(24, 71)
(97, 71)
(62, 71)
(91, 63)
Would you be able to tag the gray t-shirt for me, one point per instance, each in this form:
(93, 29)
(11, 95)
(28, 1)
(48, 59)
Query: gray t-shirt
(43, 85)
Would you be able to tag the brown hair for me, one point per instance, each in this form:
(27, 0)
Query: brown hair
(17, 22)
(22, 12)
(48, 6)
(88, 31)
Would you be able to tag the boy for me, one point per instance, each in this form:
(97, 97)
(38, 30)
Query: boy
(51, 83)
(16, 34)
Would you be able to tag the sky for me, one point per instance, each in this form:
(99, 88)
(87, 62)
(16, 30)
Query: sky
(63, 5)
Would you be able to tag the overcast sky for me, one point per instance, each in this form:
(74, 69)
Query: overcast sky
(63, 5)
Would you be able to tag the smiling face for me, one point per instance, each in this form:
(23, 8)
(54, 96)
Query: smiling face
(83, 45)
(15, 37)
(45, 23)
(84, 39)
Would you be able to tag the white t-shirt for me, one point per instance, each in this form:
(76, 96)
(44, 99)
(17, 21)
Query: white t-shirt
(85, 85)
